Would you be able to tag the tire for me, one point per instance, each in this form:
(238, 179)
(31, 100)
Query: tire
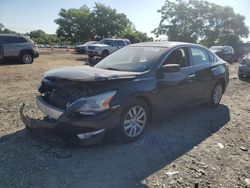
(26, 58)
(90, 56)
(217, 93)
(134, 120)
(105, 53)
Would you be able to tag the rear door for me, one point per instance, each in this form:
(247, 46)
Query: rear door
(11, 46)
(1, 49)
(203, 73)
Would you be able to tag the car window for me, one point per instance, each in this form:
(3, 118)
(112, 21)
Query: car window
(120, 43)
(198, 56)
(10, 40)
(178, 56)
(115, 43)
(106, 41)
(21, 39)
(127, 42)
(229, 50)
(211, 57)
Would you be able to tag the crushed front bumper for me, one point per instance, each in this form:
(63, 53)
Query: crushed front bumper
(68, 131)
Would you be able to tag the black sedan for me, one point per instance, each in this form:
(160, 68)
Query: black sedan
(244, 67)
(126, 90)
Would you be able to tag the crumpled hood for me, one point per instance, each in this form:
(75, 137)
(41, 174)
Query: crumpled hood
(87, 73)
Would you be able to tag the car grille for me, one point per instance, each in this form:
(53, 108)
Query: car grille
(57, 98)
(91, 47)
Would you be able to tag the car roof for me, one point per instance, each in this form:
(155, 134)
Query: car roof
(115, 39)
(164, 44)
(9, 35)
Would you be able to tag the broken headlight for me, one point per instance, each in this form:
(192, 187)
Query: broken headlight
(94, 104)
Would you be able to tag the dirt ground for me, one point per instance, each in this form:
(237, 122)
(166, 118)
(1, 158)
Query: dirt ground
(197, 147)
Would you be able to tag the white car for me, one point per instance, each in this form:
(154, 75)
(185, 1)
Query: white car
(106, 47)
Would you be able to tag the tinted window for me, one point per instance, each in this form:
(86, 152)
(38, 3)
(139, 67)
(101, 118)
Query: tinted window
(120, 43)
(9, 40)
(199, 56)
(115, 43)
(211, 57)
(106, 41)
(178, 56)
(21, 39)
(127, 42)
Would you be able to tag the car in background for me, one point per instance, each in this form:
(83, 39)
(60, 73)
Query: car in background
(81, 48)
(17, 47)
(224, 52)
(106, 47)
(125, 90)
(244, 67)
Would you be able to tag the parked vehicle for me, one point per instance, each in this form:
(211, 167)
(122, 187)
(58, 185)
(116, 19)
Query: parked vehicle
(80, 49)
(244, 67)
(17, 47)
(224, 52)
(126, 90)
(106, 47)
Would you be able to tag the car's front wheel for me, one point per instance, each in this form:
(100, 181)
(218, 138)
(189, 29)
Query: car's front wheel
(216, 94)
(26, 58)
(134, 119)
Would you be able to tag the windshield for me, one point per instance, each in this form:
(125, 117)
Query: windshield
(106, 41)
(134, 59)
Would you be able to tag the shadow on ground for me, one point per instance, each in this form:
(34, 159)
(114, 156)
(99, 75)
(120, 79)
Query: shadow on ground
(25, 162)
(10, 62)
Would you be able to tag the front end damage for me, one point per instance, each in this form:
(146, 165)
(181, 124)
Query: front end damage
(63, 123)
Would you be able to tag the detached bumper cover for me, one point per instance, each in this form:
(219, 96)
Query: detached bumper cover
(67, 131)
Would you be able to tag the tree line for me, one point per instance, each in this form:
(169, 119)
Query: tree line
(102, 21)
(195, 21)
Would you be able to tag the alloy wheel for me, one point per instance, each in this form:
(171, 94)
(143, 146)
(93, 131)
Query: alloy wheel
(217, 94)
(135, 121)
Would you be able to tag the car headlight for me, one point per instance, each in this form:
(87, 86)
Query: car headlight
(94, 104)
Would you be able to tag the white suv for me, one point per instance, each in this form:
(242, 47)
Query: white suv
(106, 47)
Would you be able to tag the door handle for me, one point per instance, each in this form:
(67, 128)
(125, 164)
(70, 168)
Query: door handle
(191, 75)
(213, 69)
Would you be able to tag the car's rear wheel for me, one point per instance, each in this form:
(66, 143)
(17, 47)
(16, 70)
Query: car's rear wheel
(134, 119)
(216, 94)
(26, 58)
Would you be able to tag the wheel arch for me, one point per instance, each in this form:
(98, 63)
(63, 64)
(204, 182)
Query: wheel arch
(26, 50)
(223, 82)
(148, 103)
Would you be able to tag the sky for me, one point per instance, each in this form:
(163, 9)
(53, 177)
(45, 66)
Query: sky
(27, 15)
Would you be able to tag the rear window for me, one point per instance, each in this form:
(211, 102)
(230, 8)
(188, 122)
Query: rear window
(199, 56)
(21, 39)
(10, 40)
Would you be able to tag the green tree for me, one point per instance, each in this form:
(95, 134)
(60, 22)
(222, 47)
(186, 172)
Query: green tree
(84, 24)
(74, 24)
(106, 22)
(201, 21)
(5, 30)
(41, 37)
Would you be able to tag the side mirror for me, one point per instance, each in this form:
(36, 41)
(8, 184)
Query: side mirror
(170, 68)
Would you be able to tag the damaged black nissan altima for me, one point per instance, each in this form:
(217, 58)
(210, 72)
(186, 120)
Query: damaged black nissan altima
(126, 90)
